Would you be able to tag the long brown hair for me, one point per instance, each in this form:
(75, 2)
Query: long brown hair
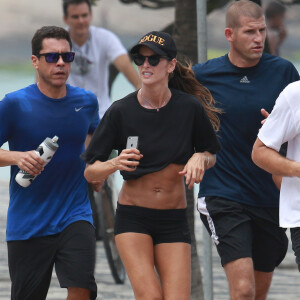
(183, 78)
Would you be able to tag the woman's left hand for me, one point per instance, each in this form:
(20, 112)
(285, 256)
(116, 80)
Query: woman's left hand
(194, 169)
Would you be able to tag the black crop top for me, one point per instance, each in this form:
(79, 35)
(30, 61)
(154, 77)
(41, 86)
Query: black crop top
(171, 135)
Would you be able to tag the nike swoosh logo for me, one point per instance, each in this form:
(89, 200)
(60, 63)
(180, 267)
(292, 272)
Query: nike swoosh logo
(78, 109)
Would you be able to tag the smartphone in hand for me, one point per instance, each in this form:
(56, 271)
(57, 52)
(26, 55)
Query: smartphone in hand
(132, 142)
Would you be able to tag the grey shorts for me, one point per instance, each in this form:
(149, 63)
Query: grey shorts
(241, 231)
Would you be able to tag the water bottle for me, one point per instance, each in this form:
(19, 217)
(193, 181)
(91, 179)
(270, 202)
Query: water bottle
(45, 150)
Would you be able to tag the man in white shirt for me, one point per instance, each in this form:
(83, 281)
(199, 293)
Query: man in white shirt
(96, 48)
(283, 125)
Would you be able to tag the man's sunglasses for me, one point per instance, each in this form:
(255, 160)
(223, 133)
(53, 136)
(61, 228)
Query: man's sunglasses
(153, 60)
(54, 56)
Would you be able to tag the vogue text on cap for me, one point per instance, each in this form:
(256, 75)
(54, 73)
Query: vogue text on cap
(152, 38)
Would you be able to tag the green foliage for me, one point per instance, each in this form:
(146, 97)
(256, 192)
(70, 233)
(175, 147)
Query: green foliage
(152, 4)
(293, 56)
(18, 67)
(94, 2)
(213, 53)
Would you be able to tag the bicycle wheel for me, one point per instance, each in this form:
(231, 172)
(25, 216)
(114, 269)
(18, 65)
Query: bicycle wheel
(106, 219)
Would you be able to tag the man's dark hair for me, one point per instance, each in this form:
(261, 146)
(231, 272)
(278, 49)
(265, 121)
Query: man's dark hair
(66, 3)
(48, 32)
(274, 9)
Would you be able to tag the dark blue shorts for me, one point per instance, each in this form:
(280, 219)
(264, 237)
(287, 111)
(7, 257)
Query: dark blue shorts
(72, 252)
(163, 225)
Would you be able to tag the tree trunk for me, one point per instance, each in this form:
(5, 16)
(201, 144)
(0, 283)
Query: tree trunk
(185, 36)
(185, 29)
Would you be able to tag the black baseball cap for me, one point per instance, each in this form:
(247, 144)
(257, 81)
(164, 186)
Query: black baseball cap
(158, 41)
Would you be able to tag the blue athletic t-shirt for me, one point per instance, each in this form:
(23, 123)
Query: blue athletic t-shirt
(58, 196)
(241, 93)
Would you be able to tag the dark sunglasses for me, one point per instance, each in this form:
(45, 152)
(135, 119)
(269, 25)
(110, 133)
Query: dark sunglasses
(54, 57)
(152, 59)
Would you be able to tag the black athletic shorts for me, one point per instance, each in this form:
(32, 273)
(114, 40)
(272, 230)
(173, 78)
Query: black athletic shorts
(295, 237)
(163, 225)
(241, 231)
(72, 252)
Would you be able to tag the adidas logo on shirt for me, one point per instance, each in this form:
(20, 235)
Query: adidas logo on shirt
(244, 80)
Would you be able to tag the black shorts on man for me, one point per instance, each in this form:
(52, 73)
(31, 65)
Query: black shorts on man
(240, 231)
(295, 237)
(72, 252)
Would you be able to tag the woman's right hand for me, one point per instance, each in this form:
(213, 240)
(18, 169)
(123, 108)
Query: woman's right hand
(128, 160)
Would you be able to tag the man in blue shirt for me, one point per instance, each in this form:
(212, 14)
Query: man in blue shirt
(238, 202)
(50, 221)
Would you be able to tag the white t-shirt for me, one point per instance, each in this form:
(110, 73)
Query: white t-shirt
(90, 69)
(281, 126)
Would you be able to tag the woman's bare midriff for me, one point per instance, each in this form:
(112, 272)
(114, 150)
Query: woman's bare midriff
(161, 190)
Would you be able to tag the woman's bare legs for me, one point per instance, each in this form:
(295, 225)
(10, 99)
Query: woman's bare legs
(172, 260)
(137, 254)
(173, 264)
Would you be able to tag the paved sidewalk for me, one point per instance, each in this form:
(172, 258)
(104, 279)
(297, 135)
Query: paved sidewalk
(285, 283)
